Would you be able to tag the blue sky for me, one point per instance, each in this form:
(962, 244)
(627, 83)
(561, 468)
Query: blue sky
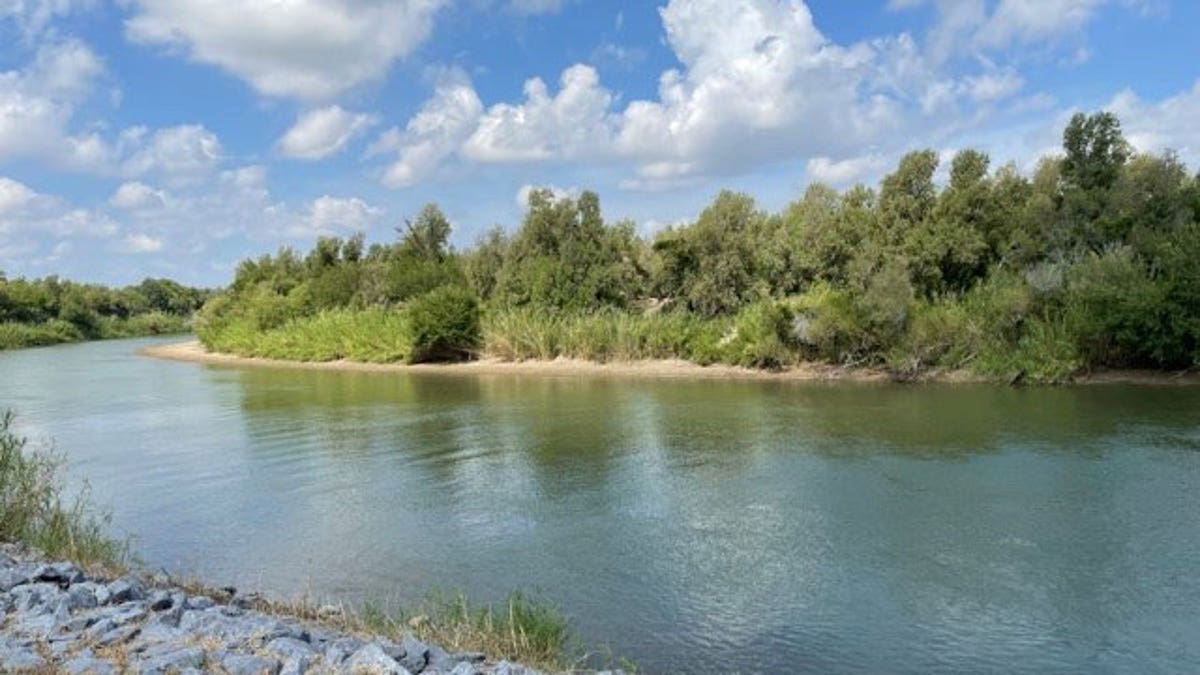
(176, 137)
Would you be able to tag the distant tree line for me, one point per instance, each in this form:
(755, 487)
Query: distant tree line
(1092, 261)
(52, 310)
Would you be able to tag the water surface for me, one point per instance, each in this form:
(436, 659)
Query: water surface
(751, 526)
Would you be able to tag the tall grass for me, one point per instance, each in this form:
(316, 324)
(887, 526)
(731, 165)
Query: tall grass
(372, 336)
(523, 628)
(34, 510)
(527, 334)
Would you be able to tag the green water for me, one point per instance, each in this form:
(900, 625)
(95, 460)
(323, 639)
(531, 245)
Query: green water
(692, 526)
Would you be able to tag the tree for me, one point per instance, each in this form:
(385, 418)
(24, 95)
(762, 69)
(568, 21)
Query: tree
(426, 238)
(711, 265)
(1095, 151)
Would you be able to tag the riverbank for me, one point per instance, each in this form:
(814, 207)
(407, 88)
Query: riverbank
(562, 367)
(194, 352)
(58, 618)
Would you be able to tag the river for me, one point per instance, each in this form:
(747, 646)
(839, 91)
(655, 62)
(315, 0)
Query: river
(691, 526)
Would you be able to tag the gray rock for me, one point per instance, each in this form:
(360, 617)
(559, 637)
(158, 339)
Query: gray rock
(466, 668)
(60, 573)
(85, 662)
(506, 668)
(246, 664)
(81, 596)
(17, 575)
(118, 636)
(372, 659)
(416, 654)
(132, 614)
(439, 659)
(173, 661)
(127, 589)
(160, 600)
(297, 655)
(199, 602)
(18, 655)
(341, 649)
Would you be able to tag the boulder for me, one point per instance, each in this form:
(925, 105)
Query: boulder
(372, 660)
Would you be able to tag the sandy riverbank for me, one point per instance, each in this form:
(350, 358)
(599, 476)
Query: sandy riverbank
(194, 352)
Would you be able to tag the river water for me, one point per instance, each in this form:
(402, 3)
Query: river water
(691, 526)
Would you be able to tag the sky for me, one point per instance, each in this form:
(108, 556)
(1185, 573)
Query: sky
(177, 137)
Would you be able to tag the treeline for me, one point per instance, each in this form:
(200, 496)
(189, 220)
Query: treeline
(1093, 261)
(36, 312)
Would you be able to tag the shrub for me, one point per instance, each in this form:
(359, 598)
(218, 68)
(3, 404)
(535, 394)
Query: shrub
(762, 336)
(1115, 312)
(444, 324)
(34, 511)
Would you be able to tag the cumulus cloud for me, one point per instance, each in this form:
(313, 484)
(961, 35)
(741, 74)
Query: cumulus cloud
(320, 133)
(310, 49)
(136, 196)
(434, 133)
(178, 153)
(1169, 124)
(573, 122)
(142, 243)
(38, 102)
(14, 195)
(841, 173)
(34, 16)
(522, 197)
(334, 215)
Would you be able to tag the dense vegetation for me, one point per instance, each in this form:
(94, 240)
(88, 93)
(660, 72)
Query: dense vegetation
(50, 311)
(1093, 261)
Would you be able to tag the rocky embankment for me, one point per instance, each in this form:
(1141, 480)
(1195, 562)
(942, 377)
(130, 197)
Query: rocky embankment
(59, 619)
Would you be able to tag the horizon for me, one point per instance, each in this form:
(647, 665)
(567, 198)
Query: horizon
(163, 140)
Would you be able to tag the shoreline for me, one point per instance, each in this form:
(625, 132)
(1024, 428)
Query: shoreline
(59, 617)
(194, 352)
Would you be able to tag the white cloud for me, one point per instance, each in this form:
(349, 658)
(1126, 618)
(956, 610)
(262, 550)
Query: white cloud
(434, 133)
(180, 153)
(142, 243)
(1027, 21)
(14, 195)
(323, 132)
(136, 196)
(845, 172)
(334, 215)
(522, 197)
(38, 102)
(311, 49)
(574, 122)
(33, 16)
(1169, 124)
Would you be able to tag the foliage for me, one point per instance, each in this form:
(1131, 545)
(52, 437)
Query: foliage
(37, 312)
(35, 511)
(443, 325)
(1092, 261)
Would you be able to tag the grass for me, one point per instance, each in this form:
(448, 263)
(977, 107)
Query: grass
(34, 510)
(372, 336)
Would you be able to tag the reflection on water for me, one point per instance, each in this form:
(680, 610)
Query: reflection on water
(760, 526)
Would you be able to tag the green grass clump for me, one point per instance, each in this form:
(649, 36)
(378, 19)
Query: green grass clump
(34, 510)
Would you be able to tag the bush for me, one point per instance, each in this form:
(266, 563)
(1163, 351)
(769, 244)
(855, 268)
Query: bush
(444, 325)
(762, 337)
(34, 511)
(1115, 312)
